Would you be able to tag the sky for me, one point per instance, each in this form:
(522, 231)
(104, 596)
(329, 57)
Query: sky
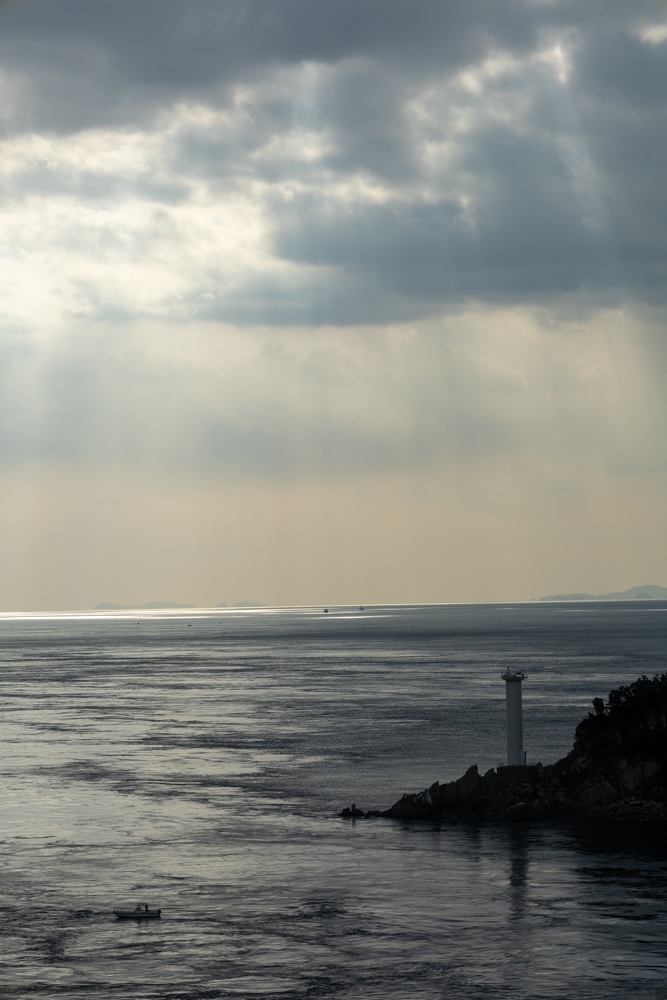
(355, 302)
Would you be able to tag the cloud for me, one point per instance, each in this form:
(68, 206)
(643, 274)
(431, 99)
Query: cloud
(141, 53)
(281, 163)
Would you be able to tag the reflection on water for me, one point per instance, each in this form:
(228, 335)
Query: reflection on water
(197, 763)
(518, 880)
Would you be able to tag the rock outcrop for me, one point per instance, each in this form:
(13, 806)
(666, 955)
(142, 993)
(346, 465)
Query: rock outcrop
(617, 770)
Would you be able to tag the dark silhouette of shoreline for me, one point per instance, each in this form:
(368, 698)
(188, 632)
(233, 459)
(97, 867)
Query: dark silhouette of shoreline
(616, 771)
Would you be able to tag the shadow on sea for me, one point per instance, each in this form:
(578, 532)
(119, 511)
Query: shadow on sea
(639, 842)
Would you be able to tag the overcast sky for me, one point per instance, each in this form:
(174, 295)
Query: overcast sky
(339, 302)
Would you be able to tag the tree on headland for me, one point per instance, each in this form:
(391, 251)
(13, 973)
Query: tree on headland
(633, 721)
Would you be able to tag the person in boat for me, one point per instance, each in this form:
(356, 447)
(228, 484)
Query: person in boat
(146, 907)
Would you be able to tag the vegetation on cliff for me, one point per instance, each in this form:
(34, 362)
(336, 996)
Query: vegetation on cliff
(631, 722)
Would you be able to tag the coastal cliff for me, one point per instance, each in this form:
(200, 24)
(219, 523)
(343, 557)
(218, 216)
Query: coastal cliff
(616, 770)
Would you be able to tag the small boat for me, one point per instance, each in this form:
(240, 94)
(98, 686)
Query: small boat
(138, 913)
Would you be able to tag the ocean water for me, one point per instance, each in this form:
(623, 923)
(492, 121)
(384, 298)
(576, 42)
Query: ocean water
(197, 761)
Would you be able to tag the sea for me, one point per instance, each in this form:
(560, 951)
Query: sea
(197, 761)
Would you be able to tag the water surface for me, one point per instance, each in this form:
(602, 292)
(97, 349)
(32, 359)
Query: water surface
(197, 761)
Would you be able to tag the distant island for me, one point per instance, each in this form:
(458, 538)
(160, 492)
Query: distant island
(647, 593)
(151, 606)
(616, 771)
(166, 606)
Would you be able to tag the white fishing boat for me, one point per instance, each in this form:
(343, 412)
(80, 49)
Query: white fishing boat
(138, 913)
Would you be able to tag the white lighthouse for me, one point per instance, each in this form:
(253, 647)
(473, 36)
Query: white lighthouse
(516, 755)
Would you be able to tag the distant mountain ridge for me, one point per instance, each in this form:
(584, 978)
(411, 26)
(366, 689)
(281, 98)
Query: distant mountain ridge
(647, 593)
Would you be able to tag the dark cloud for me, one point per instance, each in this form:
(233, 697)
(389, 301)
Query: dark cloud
(534, 228)
(168, 43)
(616, 66)
(411, 189)
(90, 62)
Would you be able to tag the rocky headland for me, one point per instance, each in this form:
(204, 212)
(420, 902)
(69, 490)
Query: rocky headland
(616, 770)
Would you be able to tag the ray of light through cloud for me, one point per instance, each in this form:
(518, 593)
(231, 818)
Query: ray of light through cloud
(354, 302)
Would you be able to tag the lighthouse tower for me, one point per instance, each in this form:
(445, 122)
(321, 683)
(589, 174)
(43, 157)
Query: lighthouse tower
(516, 755)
